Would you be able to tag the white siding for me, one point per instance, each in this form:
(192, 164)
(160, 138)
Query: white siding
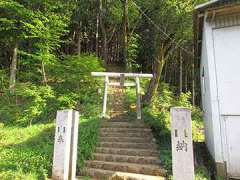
(220, 60)
(227, 55)
(207, 109)
(233, 145)
(227, 60)
(210, 99)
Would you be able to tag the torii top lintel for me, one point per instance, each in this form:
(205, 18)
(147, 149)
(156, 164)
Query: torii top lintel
(113, 74)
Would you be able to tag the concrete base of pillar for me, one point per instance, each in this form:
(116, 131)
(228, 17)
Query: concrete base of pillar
(221, 169)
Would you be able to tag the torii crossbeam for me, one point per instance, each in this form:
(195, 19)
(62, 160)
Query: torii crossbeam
(122, 76)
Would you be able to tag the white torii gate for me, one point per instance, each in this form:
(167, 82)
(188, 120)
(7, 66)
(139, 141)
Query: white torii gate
(122, 84)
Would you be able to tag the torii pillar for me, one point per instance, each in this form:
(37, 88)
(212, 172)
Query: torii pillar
(122, 84)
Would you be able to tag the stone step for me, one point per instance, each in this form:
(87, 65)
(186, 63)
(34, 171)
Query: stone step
(123, 119)
(128, 159)
(100, 174)
(127, 167)
(127, 139)
(124, 130)
(123, 125)
(118, 119)
(130, 152)
(118, 110)
(126, 134)
(128, 145)
(118, 103)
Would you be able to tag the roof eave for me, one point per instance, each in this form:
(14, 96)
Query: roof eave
(205, 5)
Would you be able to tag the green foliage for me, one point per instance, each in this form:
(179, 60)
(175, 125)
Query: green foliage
(88, 138)
(35, 101)
(158, 116)
(14, 17)
(70, 86)
(75, 69)
(74, 86)
(161, 110)
(183, 100)
(202, 173)
(133, 50)
(3, 80)
(26, 153)
(31, 102)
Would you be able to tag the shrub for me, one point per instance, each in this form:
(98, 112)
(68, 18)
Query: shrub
(29, 103)
(88, 138)
(158, 116)
(73, 84)
(3, 80)
(70, 86)
(34, 102)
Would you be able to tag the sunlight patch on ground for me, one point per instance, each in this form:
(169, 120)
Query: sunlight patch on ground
(15, 135)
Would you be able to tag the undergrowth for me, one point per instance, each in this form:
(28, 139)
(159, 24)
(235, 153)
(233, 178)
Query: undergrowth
(158, 117)
(27, 117)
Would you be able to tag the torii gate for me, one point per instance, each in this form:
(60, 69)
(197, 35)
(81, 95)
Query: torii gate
(122, 84)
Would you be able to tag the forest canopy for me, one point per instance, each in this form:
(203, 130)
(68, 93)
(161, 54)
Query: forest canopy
(38, 37)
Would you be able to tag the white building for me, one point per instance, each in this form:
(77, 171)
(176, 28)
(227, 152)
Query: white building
(217, 40)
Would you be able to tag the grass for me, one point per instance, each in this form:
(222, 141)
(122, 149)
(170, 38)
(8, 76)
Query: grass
(26, 117)
(88, 138)
(26, 153)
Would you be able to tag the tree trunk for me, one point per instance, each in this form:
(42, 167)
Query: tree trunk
(117, 51)
(125, 34)
(157, 71)
(180, 72)
(79, 43)
(105, 48)
(104, 33)
(165, 73)
(44, 76)
(193, 83)
(29, 47)
(13, 69)
(186, 79)
(97, 29)
(169, 77)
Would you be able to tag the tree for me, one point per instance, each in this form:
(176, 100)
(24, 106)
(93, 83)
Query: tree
(16, 25)
(125, 33)
(145, 35)
(34, 29)
(161, 57)
(104, 33)
(173, 22)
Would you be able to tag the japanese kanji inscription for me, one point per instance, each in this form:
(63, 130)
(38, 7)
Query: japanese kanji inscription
(182, 146)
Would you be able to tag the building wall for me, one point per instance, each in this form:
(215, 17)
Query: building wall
(227, 53)
(206, 96)
(210, 97)
(220, 90)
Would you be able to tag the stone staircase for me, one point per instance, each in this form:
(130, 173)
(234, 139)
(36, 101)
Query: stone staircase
(127, 151)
